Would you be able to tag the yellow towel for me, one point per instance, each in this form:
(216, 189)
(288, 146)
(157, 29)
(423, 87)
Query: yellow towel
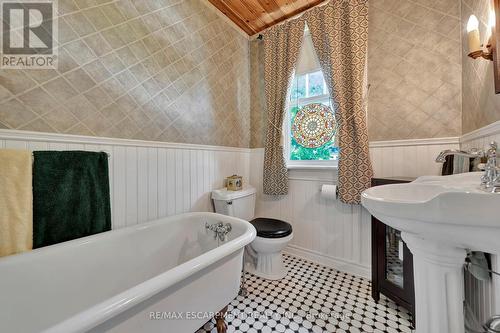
(16, 202)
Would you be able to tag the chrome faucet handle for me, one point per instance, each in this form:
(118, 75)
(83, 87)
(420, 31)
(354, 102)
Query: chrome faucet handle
(220, 229)
(492, 151)
(490, 181)
(491, 154)
(223, 230)
(209, 226)
(214, 226)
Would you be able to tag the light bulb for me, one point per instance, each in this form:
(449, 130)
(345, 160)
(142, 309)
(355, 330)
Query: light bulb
(492, 19)
(472, 24)
(473, 34)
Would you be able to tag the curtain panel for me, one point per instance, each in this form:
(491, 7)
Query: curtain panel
(282, 44)
(339, 31)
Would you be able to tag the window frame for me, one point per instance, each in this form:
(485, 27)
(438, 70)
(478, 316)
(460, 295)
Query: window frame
(304, 164)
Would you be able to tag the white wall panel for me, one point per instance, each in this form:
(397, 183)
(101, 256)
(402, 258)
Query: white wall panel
(118, 163)
(171, 174)
(409, 158)
(152, 183)
(142, 185)
(131, 187)
(483, 297)
(331, 232)
(154, 179)
(148, 180)
(326, 231)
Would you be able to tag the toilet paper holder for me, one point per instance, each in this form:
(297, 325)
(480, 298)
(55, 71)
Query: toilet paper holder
(329, 191)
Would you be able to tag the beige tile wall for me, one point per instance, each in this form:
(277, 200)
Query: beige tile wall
(481, 106)
(414, 68)
(258, 115)
(165, 70)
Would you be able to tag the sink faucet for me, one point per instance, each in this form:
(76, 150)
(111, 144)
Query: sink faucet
(490, 181)
(220, 230)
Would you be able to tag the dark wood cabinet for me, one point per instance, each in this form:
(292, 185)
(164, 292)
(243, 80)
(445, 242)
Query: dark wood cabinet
(392, 262)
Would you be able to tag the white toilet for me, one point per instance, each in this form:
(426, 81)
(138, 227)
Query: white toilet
(263, 257)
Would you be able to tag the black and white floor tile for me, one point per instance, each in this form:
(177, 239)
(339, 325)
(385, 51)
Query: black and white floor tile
(312, 298)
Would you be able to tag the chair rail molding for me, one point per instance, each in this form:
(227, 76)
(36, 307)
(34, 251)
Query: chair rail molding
(415, 142)
(18, 135)
(492, 130)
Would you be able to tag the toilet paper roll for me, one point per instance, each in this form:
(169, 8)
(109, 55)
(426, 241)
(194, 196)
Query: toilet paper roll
(329, 192)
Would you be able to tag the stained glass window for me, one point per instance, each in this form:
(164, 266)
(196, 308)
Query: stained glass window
(311, 121)
(313, 125)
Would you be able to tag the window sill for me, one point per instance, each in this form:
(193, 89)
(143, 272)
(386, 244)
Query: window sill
(313, 172)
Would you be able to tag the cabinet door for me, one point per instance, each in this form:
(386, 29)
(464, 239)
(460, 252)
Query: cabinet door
(392, 261)
(394, 266)
(394, 257)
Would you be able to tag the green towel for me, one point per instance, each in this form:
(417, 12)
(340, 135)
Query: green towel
(70, 196)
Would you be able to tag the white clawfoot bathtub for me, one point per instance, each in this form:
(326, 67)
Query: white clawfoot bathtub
(168, 275)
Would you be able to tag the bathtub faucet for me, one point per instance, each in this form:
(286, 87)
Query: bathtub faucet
(220, 230)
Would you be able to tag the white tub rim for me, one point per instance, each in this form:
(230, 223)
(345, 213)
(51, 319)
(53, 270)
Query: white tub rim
(111, 307)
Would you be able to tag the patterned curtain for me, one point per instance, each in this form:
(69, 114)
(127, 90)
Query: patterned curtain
(339, 31)
(281, 49)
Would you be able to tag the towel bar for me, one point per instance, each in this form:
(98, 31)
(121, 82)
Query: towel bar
(107, 154)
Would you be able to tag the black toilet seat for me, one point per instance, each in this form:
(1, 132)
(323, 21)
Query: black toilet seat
(271, 228)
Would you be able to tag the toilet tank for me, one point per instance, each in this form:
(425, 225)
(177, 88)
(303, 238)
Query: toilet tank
(240, 204)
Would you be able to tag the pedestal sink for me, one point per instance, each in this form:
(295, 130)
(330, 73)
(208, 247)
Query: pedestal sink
(439, 217)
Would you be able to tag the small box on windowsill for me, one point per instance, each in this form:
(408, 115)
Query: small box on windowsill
(234, 183)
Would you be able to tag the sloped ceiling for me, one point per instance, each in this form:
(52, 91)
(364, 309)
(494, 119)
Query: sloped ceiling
(254, 16)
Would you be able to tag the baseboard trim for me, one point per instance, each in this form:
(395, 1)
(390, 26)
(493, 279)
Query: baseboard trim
(330, 261)
(489, 130)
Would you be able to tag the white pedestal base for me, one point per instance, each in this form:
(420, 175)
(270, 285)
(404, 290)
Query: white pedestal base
(267, 261)
(268, 271)
(269, 266)
(439, 289)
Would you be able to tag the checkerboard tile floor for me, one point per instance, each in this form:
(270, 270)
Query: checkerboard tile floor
(312, 298)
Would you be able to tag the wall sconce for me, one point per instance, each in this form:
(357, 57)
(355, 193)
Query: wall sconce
(476, 49)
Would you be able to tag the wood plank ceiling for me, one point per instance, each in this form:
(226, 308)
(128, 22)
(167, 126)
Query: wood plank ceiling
(254, 16)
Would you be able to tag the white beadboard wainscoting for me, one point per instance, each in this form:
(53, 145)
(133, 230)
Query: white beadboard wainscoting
(333, 233)
(483, 297)
(325, 231)
(409, 158)
(148, 180)
(481, 138)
